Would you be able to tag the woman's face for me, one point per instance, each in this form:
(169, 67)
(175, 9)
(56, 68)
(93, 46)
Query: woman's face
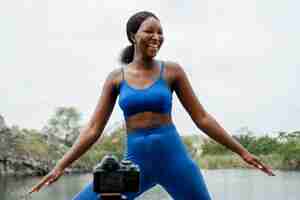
(149, 37)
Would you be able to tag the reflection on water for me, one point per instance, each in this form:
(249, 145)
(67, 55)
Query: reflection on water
(222, 184)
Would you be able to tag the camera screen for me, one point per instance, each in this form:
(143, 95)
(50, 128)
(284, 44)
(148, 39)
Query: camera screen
(111, 181)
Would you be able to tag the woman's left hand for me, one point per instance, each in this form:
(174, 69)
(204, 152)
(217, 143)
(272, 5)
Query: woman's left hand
(252, 160)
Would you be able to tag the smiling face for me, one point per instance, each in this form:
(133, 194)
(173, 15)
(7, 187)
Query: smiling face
(149, 38)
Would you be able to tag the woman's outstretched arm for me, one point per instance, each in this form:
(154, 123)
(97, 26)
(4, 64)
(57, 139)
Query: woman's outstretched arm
(205, 122)
(89, 135)
(97, 123)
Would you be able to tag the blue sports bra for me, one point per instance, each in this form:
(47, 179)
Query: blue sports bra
(155, 98)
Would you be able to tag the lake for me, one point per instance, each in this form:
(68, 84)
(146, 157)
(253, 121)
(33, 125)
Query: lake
(233, 184)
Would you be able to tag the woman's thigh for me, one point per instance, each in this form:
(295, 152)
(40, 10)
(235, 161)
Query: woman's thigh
(184, 180)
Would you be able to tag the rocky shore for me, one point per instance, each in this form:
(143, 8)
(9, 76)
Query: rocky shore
(28, 153)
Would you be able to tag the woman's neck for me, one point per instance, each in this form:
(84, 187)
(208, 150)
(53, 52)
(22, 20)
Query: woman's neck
(143, 63)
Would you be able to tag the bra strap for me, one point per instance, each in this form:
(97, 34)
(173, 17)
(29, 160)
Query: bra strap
(123, 78)
(161, 69)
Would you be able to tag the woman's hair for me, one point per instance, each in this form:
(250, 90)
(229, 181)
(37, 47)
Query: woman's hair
(132, 27)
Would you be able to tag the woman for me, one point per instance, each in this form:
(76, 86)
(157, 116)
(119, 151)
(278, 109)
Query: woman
(145, 88)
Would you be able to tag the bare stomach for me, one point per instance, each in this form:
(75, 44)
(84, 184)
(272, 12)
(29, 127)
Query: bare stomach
(147, 120)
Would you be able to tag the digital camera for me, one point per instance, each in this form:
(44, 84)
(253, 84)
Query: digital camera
(112, 176)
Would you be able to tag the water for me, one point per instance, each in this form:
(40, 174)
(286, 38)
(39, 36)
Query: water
(222, 184)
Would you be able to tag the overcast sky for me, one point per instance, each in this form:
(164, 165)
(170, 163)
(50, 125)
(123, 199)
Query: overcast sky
(241, 56)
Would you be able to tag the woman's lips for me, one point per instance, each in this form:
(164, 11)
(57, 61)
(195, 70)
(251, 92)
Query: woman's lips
(154, 46)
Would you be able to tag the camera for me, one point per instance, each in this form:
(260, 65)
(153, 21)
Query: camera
(112, 176)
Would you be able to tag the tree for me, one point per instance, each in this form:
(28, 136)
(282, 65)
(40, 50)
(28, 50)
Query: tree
(64, 124)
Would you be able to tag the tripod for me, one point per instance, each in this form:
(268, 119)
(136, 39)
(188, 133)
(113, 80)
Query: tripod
(112, 196)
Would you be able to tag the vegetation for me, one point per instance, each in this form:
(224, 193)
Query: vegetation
(64, 124)
(46, 147)
(282, 151)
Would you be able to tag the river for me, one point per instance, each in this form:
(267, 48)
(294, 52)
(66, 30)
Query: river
(230, 184)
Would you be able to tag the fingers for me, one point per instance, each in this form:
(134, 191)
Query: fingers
(252, 160)
(266, 169)
(47, 180)
(38, 186)
(256, 163)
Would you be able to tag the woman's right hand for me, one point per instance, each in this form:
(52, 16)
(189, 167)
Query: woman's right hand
(47, 180)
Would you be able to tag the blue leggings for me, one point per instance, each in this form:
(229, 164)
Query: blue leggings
(164, 160)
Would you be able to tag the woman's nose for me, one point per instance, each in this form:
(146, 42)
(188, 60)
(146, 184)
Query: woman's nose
(157, 36)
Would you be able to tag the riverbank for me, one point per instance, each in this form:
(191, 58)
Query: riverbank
(28, 152)
(233, 161)
(281, 151)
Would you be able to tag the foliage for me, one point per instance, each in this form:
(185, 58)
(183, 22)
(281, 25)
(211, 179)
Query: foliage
(229, 161)
(263, 145)
(290, 150)
(192, 144)
(220, 161)
(247, 140)
(283, 149)
(109, 143)
(64, 124)
(115, 143)
(213, 148)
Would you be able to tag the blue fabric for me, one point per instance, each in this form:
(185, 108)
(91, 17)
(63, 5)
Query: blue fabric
(163, 159)
(155, 98)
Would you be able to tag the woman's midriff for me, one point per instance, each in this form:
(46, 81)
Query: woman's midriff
(146, 120)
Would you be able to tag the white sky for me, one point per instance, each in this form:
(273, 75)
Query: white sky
(241, 58)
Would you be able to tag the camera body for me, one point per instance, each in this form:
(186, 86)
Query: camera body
(111, 176)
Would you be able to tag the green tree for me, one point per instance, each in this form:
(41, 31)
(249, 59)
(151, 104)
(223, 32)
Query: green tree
(290, 149)
(64, 124)
(211, 147)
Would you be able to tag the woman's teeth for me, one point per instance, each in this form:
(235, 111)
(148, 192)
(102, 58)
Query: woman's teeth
(155, 46)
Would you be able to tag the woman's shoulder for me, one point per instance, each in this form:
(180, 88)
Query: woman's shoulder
(173, 69)
(115, 76)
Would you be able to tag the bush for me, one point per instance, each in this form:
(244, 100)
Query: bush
(290, 152)
(211, 147)
(264, 145)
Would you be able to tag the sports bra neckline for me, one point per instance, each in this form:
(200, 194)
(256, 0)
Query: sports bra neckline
(142, 89)
(145, 88)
